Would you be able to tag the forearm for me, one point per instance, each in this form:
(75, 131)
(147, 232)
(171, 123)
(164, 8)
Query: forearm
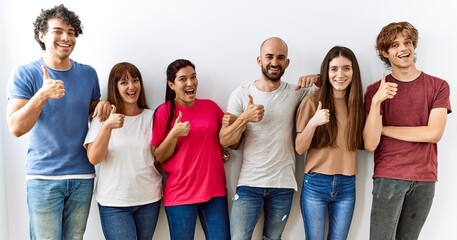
(230, 136)
(412, 134)
(97, 150)
(22, 114)
(303, 139)
(373, 129)
(431, 133)
(165, 149)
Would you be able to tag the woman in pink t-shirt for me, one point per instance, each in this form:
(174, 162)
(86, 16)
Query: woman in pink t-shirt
(186, 142)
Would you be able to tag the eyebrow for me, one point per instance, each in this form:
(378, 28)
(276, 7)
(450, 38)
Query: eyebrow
(59, 28)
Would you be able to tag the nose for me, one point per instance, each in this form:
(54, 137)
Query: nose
(274, 62)
(339, 73)
(64, 36)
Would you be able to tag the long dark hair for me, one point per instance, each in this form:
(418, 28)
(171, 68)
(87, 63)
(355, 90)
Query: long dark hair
(170, 95)
(117, 72)
(324, 135)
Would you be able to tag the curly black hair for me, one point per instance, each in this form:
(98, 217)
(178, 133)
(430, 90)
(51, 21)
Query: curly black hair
(61, 12)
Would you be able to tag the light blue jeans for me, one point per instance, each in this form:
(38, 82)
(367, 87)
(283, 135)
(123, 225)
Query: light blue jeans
(399, 208)
(135, 222)
(327, 194)
(58, 209)
(213, 216)
(248, 203)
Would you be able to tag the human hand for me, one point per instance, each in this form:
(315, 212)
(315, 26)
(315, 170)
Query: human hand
(115, 120)
(321, 116)
(228, 119)
(51, 88)
(387, 90)
(102, 110)
(180, 128)
(307, 81)
(253, 112)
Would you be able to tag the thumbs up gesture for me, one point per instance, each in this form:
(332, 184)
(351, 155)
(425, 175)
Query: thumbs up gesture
(180, 128)
(115, 120)
(387, 90)
(51, 88)
(253, 112)
(321, 116)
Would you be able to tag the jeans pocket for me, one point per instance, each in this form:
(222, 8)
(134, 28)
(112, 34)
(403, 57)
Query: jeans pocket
(311, 174)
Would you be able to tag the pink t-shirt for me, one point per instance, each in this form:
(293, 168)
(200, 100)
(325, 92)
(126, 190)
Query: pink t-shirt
(413, 161)
(195, 171)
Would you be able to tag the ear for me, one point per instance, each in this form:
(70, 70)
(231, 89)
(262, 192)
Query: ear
(41, 36)
(384, 54)
(259, 61)
(287, 63)
(171, 85)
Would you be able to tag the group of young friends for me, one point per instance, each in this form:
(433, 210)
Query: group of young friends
(401, 119)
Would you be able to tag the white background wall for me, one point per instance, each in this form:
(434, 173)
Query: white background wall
(222, 38)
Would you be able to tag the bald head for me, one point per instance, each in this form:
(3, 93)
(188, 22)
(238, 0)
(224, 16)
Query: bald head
(276, 42)
(273, 58)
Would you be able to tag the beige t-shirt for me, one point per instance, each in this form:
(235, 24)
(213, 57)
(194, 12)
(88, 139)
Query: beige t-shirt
(328, 160)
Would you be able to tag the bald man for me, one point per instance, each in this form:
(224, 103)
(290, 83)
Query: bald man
(265, 110)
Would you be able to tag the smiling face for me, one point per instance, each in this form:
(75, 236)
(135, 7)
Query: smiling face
(273, 59)
(340, 75)
(129, 89)
(185, 86)
(400, 52)
(60, 39)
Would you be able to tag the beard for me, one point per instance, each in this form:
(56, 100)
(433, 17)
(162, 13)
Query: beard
(272, 77)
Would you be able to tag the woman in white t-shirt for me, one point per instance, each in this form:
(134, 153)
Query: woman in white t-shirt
(128, 186)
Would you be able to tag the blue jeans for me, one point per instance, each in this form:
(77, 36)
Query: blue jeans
(213, 215)
(58, 209)
(248, 203)
(327, 194)
(135, 222)
(399, 208)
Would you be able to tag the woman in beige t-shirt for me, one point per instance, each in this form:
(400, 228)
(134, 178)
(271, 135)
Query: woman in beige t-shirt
(329, 128)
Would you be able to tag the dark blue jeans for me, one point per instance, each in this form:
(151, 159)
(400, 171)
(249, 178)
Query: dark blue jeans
(399, 208)
(332, 195)
(248, 204)
(213, 215)
(135, 222)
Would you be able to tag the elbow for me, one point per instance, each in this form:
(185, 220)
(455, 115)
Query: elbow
(370, 147)
(16, 132)
(158, 157)
(299, 150)
(225, 143)
(435, 138)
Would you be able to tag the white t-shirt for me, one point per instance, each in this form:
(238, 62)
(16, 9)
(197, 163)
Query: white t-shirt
(127, 176)
(268, 154)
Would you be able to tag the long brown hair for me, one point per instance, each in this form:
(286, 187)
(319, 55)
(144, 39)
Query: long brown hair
(117, 72)
(325, 135)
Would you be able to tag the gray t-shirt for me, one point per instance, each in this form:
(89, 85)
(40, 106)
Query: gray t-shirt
(268, 150)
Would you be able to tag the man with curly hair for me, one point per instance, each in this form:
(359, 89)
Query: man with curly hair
(52, 98)
(406, 117)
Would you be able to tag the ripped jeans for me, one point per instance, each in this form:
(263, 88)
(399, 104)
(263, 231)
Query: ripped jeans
(247, 207)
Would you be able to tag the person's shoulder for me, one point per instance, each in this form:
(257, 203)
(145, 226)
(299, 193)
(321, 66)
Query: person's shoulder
(36, 64)
(83, 66)
(374, 85)
(162, 107)
(245, 87)
(148, 112)
(207, 102)
(434, 78)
